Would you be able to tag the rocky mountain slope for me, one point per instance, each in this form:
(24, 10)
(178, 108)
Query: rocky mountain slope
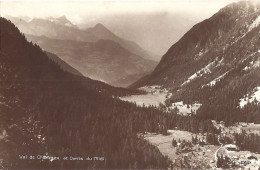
(215, 63)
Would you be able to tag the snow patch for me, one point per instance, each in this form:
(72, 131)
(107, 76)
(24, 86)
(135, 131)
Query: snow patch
(256, 64)
(254, 24)
(246, 68)
(251, 55)
(202, 52)
(204, 70)
(252, 64)
(199, 73)
(213, 82)
(250, 98)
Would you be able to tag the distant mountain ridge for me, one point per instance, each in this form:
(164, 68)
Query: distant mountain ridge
(91, 44)
(103, 60)
(62, 28)
(23, 61)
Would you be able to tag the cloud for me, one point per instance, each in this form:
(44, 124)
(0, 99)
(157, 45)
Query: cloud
(77, 10)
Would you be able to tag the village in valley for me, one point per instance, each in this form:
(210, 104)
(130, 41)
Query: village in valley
(186, 149)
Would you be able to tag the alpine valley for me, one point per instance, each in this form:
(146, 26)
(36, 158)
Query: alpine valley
(64, 105)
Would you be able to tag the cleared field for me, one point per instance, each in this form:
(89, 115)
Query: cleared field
(164, 143)
(255, 128)
(248, 127)
(199, 157)
(155, 95)
(185, 109)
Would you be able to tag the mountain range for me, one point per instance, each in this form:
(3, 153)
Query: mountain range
(90, 46)
(103, 60)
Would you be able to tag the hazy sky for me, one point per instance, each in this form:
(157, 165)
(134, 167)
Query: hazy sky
(155, 25)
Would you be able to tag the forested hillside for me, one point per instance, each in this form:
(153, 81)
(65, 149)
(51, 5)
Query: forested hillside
(47, 111)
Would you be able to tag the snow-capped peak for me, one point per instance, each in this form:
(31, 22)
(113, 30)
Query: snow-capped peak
(61, 20)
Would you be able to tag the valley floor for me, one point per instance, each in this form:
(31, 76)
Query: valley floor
(198, 156)
(204, 157)
(153, 97)
(156, 95)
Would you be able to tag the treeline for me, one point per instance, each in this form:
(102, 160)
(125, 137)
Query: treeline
(223, 104)
(221, 101)
(249, 142)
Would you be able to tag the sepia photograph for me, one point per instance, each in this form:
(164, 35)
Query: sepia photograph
(143, 84)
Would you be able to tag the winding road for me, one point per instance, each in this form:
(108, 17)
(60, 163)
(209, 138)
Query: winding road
(216, 153)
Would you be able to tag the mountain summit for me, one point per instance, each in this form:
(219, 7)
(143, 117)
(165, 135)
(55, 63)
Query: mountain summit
(62, 21)
(102, 32)
(100, 26)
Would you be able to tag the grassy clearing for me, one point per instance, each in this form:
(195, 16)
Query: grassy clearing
(199, 157)
(237, 128)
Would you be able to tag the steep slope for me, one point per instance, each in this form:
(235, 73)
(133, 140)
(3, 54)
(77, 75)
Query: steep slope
(48, 114)
(215, 63)
(102, 60)
(63, 65)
